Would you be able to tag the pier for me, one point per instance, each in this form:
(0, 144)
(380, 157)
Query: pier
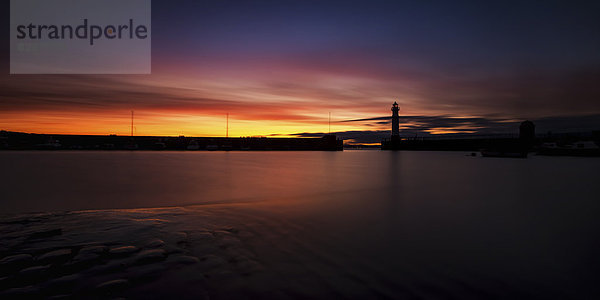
(27, 141)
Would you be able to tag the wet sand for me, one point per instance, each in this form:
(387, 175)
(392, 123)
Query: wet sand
(220, 252)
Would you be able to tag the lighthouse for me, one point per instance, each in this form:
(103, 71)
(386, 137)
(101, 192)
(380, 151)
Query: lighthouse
(394, 142)
(395, 122)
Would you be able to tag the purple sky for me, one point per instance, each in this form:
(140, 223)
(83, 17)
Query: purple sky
(279, 67)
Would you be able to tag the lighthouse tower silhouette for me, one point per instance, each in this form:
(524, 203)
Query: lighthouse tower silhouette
(394, 142)
(395, 123)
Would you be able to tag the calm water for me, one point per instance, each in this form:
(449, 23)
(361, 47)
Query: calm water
(429, 221)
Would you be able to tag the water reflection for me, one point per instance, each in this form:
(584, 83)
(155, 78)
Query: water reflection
(414, 222)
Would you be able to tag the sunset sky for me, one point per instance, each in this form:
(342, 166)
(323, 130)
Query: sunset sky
(279, 68)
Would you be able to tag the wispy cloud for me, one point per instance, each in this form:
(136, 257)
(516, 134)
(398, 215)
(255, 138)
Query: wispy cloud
(424, 126)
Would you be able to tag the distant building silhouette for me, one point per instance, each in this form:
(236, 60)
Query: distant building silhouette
(527, 130)
(527, 134)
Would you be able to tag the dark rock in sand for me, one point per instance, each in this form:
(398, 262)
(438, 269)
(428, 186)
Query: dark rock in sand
(34, 271)
(222, 275)
(110, 267)
(14, 263)
(44, 234)
(5, 282)
(155, 243)
(56, 297)
(112, 286)
(228, 241)
(212, 261)
(146, 272)
(232, 230)
(93, 249)
(205, 235)
(27, 292)
(206, 248)
(180, 237)
(31, 275)
(16, 259)
(148, 256)
(183, 259)
(124, 250)
(83, 261)
(173, 249)
(221, 233)
(55, 256)
(86, 257)
(61, 284)
(249, 266)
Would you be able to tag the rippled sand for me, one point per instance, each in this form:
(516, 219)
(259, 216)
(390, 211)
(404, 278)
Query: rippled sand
(154, 253)
(216, 252)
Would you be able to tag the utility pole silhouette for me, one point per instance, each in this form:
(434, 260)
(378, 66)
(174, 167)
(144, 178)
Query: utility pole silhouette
(132, 123)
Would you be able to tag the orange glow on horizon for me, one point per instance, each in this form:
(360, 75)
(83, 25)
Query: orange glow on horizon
(259, 103)
(156, 124)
